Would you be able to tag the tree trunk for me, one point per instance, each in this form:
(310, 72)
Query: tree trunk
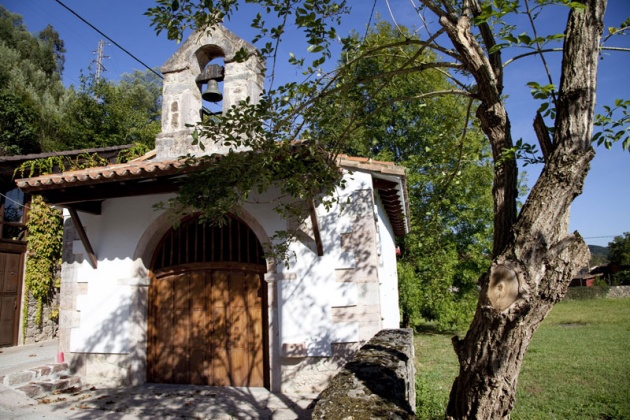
(532, 271)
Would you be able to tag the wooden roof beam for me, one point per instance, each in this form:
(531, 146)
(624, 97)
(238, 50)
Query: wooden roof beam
(83, 236)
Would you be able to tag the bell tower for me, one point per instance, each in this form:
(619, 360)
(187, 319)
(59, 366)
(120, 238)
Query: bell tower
(204, 77)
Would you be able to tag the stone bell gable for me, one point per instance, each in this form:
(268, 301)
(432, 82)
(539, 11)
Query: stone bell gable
(193, 70)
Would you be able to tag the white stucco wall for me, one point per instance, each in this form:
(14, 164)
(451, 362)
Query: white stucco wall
(306, 302)
(104, 311)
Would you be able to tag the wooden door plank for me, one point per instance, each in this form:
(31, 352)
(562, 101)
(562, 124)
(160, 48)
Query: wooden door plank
(12, 273)
(3, 269)
(254, 330)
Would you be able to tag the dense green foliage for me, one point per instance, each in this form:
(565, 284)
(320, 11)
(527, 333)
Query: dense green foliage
(37, 114)
(108, 114)
(45, 241)
(448, 169)
(30, 85)
(575, 368)
(619, 256)
(619, 249)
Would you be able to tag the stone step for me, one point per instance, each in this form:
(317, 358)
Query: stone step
(50, 386)
(41, 380)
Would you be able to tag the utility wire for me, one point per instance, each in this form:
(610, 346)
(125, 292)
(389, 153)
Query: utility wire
(598, 237)
(109, 39)
(367, 29)
(16, 202)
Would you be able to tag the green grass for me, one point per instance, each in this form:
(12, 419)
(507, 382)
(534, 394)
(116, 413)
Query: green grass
(577, 366)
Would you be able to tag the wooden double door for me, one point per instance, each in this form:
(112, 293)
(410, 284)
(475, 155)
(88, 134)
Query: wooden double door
(206, 326)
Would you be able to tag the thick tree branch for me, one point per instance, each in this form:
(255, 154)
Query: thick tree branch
(568, 165)
(489, 41)
(544, 138)
(495, 124)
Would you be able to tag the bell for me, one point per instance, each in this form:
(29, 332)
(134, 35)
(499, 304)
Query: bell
(212, 92)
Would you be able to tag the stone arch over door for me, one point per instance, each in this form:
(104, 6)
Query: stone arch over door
(207, 307)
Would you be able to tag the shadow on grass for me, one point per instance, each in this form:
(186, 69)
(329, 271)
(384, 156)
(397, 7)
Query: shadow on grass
(434, 329)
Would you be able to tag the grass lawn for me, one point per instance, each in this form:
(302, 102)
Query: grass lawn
(577, 366)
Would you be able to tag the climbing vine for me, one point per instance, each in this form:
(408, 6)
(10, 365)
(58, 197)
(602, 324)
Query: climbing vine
(45, 240)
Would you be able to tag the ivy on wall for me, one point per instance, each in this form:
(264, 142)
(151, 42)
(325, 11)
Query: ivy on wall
(45, 241)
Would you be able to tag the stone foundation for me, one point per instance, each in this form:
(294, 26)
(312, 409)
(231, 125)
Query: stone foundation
(312, 374)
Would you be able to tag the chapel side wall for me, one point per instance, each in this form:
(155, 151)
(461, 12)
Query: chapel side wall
(341, 289)
(388, 269)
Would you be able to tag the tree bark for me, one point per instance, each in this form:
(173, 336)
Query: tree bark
(536, 260)
(494, 121)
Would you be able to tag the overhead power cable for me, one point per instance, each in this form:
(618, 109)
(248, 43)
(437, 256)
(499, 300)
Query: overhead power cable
(110, 40)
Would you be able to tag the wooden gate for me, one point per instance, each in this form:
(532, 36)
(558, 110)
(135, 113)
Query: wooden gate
(10, 296)
(206, 308)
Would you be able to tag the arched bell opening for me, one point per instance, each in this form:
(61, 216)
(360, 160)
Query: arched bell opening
(210, 79)
(207, 307)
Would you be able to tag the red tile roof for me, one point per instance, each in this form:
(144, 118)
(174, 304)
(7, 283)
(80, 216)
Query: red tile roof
(56, 187)
(100, 174)
(150, 169)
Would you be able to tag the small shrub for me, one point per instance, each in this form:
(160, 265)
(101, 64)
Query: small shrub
(621, 278)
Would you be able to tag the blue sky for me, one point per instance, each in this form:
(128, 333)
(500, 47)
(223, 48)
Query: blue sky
(600, 213)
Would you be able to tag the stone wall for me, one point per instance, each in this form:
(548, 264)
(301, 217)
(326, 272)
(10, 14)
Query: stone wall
(593, 292)
(47, 330)
(618, 292)
(379, 382)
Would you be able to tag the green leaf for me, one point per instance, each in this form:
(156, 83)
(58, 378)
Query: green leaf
(497, 47)
(315, 48)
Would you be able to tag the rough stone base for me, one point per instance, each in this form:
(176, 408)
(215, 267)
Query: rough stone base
(106, 370)
(379, 382)
(41, 380)
(313, 374)
(49, 325)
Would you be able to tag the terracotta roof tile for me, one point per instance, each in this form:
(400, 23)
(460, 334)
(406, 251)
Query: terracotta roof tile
(155, 168)
(102, 174)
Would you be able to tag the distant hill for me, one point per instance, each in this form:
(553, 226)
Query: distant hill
(599, 255)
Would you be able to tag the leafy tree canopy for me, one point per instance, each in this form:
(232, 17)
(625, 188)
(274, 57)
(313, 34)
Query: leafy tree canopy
(108, 113)
(30, 84)
(620, 249)
(37, 114)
